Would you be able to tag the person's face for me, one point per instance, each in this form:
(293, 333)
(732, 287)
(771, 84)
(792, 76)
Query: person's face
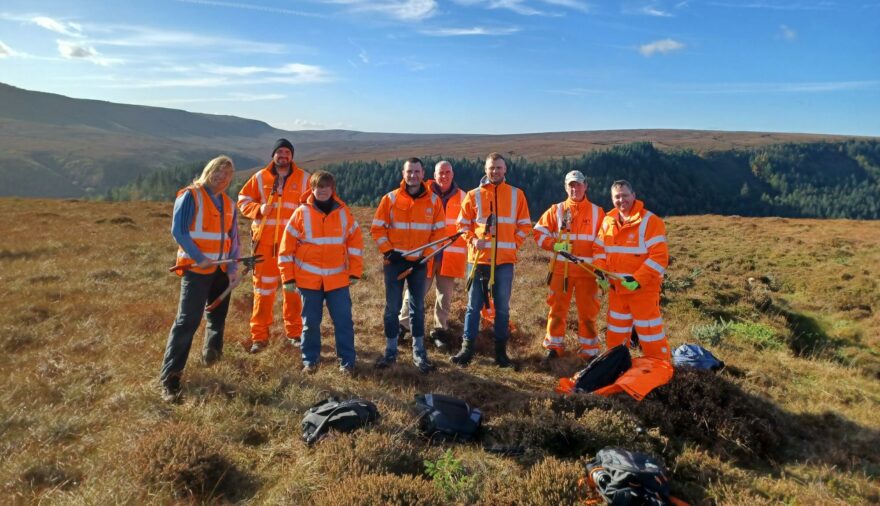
(444, 174)
(413, 173)
(576, 190)
(495, 170)
(219, 180)
(622, 198)
(322, 192)
(282, 158)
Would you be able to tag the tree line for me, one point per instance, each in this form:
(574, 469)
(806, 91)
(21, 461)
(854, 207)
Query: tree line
(816, 180)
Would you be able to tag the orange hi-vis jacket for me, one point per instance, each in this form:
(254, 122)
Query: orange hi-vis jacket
(511, 210)
(636, 248)
(404, 223)
(257, 191)
(454, 256)
(320, 251)
(205, 230)
(586, 218)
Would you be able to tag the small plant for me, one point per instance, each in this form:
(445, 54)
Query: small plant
(712, 333)
(681, 283)
(758, 334)
(449, 476)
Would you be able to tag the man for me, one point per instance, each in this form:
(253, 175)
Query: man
(495, 221)
(204, 226)
(407, 219)
(269, 198)
(448, 264)
(571, 226)
(632, 244)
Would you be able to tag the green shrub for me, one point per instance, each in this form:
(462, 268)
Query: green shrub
(450, 476)
(757, 334)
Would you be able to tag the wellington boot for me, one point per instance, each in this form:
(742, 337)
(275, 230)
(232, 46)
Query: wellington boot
(501, 358)
(465, 355)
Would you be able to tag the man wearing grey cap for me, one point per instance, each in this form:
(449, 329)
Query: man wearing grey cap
(571, 226)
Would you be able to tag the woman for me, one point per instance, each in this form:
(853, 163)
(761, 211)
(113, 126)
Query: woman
(204, 226)
(321, 255)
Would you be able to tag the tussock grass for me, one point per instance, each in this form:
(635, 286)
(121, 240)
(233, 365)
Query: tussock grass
(88, 304)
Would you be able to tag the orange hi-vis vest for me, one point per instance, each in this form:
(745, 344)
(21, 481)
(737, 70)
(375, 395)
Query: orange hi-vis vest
(321, 251)
(586, 218)
(455, 256)
(635, 248)
(511, 210)
(403, 223)
(205, 229)
(258, 190)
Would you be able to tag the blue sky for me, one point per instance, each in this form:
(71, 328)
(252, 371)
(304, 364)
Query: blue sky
(464, 66)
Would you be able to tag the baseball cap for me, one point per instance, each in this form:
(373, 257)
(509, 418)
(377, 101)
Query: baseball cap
(575, 175)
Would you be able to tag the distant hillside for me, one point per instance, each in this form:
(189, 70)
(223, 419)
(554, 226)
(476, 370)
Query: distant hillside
(56, 146)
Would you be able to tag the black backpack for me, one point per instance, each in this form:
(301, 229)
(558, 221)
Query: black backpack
(344, 416)
(603, 370)
(627, 478)
(447, 418)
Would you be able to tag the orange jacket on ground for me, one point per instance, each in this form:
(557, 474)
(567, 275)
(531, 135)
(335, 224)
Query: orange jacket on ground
(586, 218)
(636, 248)
(403, 223)
(645, 375)
(256, 192)
(321, 251)
(509, 205)
(205, 230)
(455, 256)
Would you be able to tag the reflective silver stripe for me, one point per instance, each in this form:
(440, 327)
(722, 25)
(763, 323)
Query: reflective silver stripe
(305, 182)
(655, 240)
(478, 203)
(289, 205)
(507, 220)
(381, 240)
(634, 250)
(378, 223)
(200, 209)
(325, 240)
(392, 195)
(265, 291)
(455, 249)
(554, 339)
(590, 352)
(269, 279)
(403, 225)
(654, 265)
(513, 196)
(450, 221)
(590, 342)
(649, 338)
(244, 198)
(599, 241)
(263, 196)
(600, 255)
(622, 330)
(307, 223)
(581, 237)
(524, 222)
(439, 225)
(291, 230)
(544, 230)
(343, 219)
(317, 270)
(595, 221)
(271, 221)
(207, 254)
(206, 235)
(463, 221)
(620, 316)
(506, 245)
(285, 259)
(648, 323)
(521, 234)
(355, 251)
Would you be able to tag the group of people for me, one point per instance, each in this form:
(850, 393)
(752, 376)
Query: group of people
(430, 232)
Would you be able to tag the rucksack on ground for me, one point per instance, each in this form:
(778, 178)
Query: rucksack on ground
(602, 371)
(693, 355)
(626, 478)
(448, 418)
(343, 416)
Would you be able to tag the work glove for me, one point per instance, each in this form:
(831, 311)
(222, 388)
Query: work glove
(562, 246)
(602, 281)
(352, 280)
(629, 283)
(265, 209)
(394, 257)
(289, 286)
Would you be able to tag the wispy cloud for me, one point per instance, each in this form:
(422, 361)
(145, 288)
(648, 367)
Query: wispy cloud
(302, 72)
(571, 4)
(141, 37)
(6, 51)
(476, 30)
(404, 10)
(661, 46)
(63, 27)
(527, 8)
(254, 7)
(81, 51)
(651, 10)
(787, 33)
(796, 87)
(778, 5)
(213, 76)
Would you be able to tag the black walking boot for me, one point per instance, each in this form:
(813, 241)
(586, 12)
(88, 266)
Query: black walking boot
(465, 355)
(501, 358)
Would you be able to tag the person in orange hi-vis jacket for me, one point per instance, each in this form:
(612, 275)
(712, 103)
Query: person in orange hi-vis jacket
(321, 256)
(632, 244)
(448, 264)
(571, 226)
(269, 198)
(495, 221)
(407, 219)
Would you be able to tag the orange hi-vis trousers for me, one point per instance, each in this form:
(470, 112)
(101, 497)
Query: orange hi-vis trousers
(586, 294)
(267, 278)
(641, 309)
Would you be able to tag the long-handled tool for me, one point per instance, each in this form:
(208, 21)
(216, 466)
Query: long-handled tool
(490, 222)
(248, 261)
(424, 258)
(562, 226)
(492, 227)
(566, 219)
(432, 243)
(587, 266)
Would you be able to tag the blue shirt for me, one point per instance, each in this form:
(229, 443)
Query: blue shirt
(182, 216)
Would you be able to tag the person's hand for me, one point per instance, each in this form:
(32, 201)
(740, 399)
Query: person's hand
(353, 280)
(289, 286)
(629, 283)
(602, 281)
(481, 243)
(264, 209)
(394, 257)
(562, 246)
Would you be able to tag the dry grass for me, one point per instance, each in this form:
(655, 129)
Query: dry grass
(88, 304)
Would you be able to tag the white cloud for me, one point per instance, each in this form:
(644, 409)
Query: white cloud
(476, 30)
(787, 33)
(661, 46)
(139, 36)
(651, 10)
(517, 6)
(6, 51)
(64, 28)
(296, 72)
(524, 8)
(571, 4)
(404, 10)
(363, 56)
(81, 51)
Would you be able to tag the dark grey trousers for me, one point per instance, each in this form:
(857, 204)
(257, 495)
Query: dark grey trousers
(196, 291)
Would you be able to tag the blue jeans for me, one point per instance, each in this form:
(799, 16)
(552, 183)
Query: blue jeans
(339, 306)
(501, 296)
(196, 291)
(415, 285)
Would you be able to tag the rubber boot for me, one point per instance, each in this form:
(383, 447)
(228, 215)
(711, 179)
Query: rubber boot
(501, 358)
(465, 355)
